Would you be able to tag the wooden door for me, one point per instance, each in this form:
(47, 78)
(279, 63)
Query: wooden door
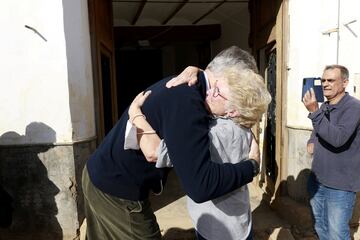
(103, 60)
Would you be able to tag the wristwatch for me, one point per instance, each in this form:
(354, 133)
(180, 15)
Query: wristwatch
(256, 167)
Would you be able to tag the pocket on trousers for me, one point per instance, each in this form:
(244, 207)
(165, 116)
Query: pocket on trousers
(134, 206)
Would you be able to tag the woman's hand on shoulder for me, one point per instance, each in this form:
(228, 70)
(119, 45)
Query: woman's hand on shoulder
(137, 103)
(189, 76)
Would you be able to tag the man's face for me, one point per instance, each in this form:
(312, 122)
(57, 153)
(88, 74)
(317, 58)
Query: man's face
(217, 97)
(332, 83)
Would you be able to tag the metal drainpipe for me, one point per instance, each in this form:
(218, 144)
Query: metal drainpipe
(338, 34)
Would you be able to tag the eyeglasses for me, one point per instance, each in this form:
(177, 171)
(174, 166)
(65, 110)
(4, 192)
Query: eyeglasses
(216, 92)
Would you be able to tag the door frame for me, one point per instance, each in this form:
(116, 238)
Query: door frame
(102, 42)
(266, 32)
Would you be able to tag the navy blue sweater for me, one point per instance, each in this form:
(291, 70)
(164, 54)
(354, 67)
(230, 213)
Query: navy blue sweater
(180, 118)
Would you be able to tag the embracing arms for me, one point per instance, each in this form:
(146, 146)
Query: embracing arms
(147, 138)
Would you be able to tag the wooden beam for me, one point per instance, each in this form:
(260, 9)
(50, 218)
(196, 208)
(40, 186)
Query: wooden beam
(139, 11)
(208, 12)
(171, 15)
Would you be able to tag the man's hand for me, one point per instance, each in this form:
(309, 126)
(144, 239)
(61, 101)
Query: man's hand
(254, 151)
(310, 148)
(310, 102)
(189, 76)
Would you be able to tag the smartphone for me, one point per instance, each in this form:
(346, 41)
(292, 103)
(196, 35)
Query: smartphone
(314, 83)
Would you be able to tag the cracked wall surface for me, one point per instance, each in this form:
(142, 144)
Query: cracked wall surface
(45, 183)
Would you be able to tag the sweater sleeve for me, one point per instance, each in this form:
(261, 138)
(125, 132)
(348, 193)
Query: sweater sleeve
(185, 129)
(339, 132)
(312, 138)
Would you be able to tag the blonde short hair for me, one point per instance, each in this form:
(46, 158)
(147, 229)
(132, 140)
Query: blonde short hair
(248, 95)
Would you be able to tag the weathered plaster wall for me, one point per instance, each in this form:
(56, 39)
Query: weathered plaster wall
(313, 43)
(33, 70)
(78, 52)
(46, 77)
(47, 128)
(44, 183)
(349, 44)
(311, 48)
(299, 164)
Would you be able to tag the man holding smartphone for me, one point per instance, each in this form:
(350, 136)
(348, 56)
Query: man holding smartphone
(335, 145)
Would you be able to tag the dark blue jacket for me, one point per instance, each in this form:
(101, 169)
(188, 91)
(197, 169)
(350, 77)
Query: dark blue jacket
(180, 118)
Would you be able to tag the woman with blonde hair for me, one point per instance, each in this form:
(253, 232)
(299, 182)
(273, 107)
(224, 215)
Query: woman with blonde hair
(227, 217)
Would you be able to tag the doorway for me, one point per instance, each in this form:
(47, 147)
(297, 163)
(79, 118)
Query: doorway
(139, 67)
(106, 93)
(270, 124)
(271, 168)
(136, 70)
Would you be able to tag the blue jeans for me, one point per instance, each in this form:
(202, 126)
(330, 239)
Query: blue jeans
(332, 210)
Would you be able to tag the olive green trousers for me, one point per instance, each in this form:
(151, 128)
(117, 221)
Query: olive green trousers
(112, 218)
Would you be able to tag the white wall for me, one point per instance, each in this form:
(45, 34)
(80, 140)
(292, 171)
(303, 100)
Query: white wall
(81, 93)
(349, 44)
(310, 49)
(36, 74)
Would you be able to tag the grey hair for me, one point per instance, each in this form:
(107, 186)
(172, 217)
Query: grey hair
(343, 70)
(232, 57)
(248, 92)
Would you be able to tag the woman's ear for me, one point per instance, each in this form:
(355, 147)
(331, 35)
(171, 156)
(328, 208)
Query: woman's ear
(232, 113)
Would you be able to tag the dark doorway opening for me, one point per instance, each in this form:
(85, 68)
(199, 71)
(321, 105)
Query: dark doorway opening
(139, 67)
(136, 70)
(105, 62)
(270, 131)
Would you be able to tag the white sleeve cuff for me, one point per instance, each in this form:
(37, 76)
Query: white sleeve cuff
(131, 137)
(163, 156)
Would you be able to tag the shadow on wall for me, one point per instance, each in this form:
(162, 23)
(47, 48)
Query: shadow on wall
(298, 211)
(24, 176)
(292, 218)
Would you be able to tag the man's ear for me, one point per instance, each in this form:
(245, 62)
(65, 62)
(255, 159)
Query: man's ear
(232, 113)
